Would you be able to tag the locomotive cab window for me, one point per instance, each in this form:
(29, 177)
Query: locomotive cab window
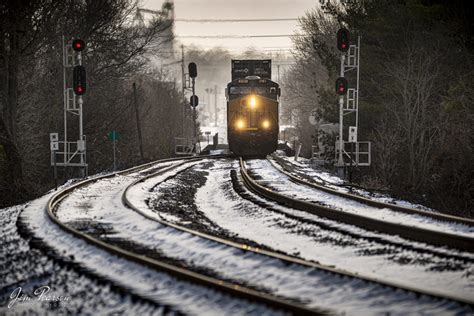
(240, 90)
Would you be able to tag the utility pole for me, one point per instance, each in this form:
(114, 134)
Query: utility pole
(215, 105)
(139, 131)
(194, 111)
(183, 89)
(114, 141)
(194, 101)
(209, 106)
(341, 89)
(340, 160)
(279, 103)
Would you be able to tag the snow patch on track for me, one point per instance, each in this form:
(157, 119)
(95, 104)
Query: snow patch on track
(277, 231)
(161, 287)
(271, 177)
(314, 286)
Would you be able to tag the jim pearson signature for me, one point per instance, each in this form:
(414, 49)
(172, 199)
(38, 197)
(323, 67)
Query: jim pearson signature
(41, 294)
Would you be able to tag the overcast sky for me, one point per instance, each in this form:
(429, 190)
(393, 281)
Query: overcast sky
(241, 9)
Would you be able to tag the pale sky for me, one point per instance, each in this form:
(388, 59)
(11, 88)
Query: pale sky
(241, 9)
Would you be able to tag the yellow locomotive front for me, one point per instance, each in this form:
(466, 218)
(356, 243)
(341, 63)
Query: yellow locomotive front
(252, 116)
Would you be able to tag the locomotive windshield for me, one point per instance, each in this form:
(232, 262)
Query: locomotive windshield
(240, 90)
(253, 90)
(268, 89)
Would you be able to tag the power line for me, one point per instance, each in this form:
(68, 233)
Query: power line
(240, 47)
(230, 49)
(234, 20)
(235, 36)
(278, 47)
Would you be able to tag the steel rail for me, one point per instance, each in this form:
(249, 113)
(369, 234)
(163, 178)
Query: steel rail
(371, 202)
(409, 232)
(276, 255)
(181, 273)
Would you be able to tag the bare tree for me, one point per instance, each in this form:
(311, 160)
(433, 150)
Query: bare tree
(306, 83)
(411, 103)
(386, 139)
(31, 81)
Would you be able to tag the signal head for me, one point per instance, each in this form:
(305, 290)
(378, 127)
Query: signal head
(192, 69)
(341, 86)
(79, 80)
(194, 100)
(343, 40)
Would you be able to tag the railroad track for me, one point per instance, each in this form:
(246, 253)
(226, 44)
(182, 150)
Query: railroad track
(285, 258)
(233, 289)
(185, 274)
(371, 202)
(419, 234)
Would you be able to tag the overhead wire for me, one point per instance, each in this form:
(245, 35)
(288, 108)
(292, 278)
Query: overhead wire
(235, 20)
(233, 36)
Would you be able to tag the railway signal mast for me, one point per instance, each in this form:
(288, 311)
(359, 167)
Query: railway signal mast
(67, 153)
(194, 101)
(350, 59)
(183, 146)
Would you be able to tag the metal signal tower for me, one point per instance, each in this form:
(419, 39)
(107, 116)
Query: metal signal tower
(350, 60)
(66, 153)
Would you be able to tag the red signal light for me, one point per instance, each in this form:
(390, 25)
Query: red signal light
(79, 80)
(79, 90)
(78, 45)
(341, 85)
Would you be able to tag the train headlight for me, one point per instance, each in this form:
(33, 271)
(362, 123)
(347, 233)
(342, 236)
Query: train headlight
(253, 101)
(240, 124)
(266, 124)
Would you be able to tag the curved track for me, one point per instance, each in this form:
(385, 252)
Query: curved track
(234, 289)
(180, 272)
(372, 202)
(287, 259)
(409, 232)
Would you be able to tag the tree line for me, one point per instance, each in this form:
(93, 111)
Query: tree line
(416, 99)
(117, 56)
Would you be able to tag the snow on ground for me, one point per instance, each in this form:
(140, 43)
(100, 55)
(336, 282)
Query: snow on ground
(303, 166)
(101, 201)
(217, 200)
(273, 178)
(161, 287)
(26, 269)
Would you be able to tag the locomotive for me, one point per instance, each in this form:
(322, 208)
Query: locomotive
(252, 109)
